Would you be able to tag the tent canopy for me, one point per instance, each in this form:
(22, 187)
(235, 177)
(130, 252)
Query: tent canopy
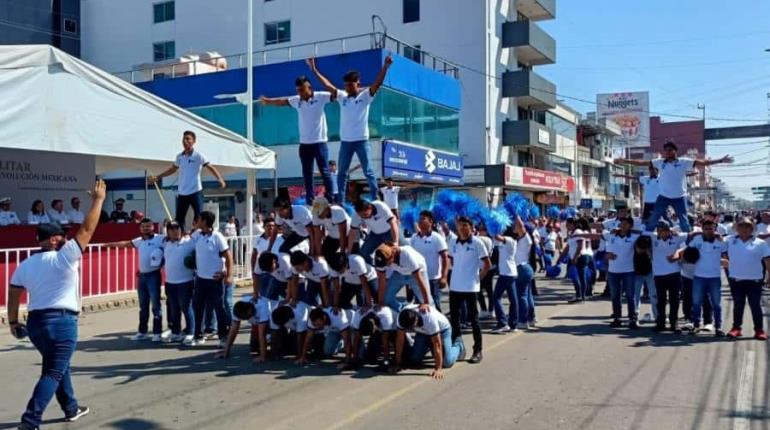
(51, 101)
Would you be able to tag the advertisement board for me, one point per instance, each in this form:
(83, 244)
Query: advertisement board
(631, 112)
(402, 161)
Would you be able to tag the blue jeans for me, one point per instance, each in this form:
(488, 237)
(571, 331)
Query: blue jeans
(264, 284)
(312, 294)
(361, 149)
(661, 206)
(209, 292)
(505, 284)
(371, 243)
(619, 283)
(526, 308)
(183, 203)
(451, 350)
(332, 343)
(435, 292)
(317, 153)
(149, 295)
(277, 289)
(713, 288)
(650, 281)
(179, 298)
(583, 284)
(55, 334)
(396, 282)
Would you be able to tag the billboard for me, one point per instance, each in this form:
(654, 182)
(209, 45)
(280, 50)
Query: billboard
(631, 112)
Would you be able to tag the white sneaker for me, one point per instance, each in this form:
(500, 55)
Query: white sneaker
(139, 337)
(199, 342)
(156, 338)
(177, 338)
(166, 334)
(646, 318)
(687, 325)
(188, 340)
(165, 339)
(708, 328)
(503, 329)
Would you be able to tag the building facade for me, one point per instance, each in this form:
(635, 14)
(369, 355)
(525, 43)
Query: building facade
(41, 22)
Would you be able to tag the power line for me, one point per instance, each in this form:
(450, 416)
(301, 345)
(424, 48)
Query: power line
(668, 66)
(664, 42)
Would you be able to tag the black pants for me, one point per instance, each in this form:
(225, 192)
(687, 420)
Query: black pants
(184, 203)
(348, 292)
(668, 288)
(647, 210)
(743, 290)
(708, 310)
(329, 247)
(290, 241)
(486, 287)
(456, 302)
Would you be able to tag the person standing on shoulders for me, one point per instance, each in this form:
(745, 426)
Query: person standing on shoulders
(189, 163)
(50, 278)
(354, 123)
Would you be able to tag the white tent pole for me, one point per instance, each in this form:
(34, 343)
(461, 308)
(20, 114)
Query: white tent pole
(251, 177)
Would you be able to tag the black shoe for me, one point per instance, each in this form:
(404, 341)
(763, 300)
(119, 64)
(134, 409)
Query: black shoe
(719, 332)
(81, 411)
(675, 328)
(633, 325)
(476, 358)
(575, 300)
(616, 323)
(25, 426)
(659, 328)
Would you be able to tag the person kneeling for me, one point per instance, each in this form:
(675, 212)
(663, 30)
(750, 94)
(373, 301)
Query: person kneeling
(335, 325)
(376, 324)
(287, 321)
(257, 313)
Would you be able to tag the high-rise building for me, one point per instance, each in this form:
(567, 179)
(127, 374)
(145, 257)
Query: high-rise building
(46, 22)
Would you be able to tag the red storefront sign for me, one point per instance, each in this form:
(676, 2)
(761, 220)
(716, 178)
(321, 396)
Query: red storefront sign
(543, 179)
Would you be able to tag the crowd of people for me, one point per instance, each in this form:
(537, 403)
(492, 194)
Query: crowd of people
(57, 213)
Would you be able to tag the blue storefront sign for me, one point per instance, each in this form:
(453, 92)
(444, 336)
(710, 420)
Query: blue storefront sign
(402, 161)
(586, 203)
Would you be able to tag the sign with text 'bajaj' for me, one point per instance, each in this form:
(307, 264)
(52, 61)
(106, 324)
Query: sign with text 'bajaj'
(631, 112)
(402, 161)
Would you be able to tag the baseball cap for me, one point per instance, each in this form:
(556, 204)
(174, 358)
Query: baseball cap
(382, 255)
(745, 221)
(46, 231)
(120, 200)
(5, 200)
(319, 205)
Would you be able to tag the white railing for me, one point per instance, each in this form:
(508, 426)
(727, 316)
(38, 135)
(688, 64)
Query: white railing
(108, 271)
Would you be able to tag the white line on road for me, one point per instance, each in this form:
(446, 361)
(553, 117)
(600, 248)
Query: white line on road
(743, 402)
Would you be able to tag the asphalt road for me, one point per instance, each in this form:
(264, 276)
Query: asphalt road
(572, 372)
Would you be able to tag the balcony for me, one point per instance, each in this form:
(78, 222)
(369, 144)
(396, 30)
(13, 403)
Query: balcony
(531, 90)
(530, 43)
(536, 10)
(528, 134)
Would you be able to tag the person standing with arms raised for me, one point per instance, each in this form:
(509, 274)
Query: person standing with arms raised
(50, 277)
(354, 123)
(189, 163)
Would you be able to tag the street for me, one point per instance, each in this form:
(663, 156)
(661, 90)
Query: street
(571, 372)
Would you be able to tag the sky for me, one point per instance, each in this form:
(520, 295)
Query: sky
(685, 53)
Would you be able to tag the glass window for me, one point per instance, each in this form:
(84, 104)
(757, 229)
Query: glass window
(413, 53)
(411, 11)
(163, 12)
(277, 32)
(70, 26)
(162, 51)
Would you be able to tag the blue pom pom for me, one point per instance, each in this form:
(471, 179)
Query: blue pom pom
(553, 212)
(349, 209)
(553, 272)
(299, 201)
(496, 221)
(410, 215)
(534, 211)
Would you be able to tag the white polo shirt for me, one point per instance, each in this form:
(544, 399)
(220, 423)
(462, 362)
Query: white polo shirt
(331, 224)
(76, 216)
(60, 217)
(260, 246)
(662, 249)
(37, 219)
(506, 262)
(709, 264)
(51, 278)
(300, 220)
(149, 250)
(430, 247)
(263, 307)
(385, 315)
(672, 176)
(408, 262)
(378, 223)
(284, 271)
(354, 115)
(390, 196)
(190, 172)
(549, 241)
(357, 267)
(651, 188)
(338, 322)
(746, 258)
(466, 257)
(297, 324)
(175, 252)
(573, 243)
(319, 271)
(623, 248)
(312, 118)
(208, 254)
(523, 249)
(433, 321)
(9, 218)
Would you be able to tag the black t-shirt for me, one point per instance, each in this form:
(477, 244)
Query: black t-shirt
(642, 264)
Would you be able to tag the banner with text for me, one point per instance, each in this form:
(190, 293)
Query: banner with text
(631, 111)
(402, 161)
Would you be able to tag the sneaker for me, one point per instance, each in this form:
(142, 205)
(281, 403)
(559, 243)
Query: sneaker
(633, 325)
(735, 332)
(616, 323)
(188, 340)
(695, 330)
(533, 322)
(719, 332)
(575, 300)
(208, 334)
(81, 411)
(676, 329)
(476, 358)
(760, 335)
(139, 337)
(687, 325)
(708, 328)
(501, 330)
(156, 338)
(647, 318)
(166, 334)
(198, 341)
(659, 328)
(25, 426)
(222, 343)
(167, 339)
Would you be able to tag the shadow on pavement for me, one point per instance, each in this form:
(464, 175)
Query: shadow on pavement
(135, 424)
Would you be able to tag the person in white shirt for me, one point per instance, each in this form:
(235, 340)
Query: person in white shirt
(288, 320)
(179, 283)
(621, 277)
(378, 326)
(470, 263)
(396, 267)
(149, 245)
(651, 191)
(296, 221)
(189, 163)
(748, 255)
(335, 326)
(37, 214)
(255, 311)
(354, 123)
(667, 274)
(352, 277)
(672, 182)
(260, 279)
(313, 136)
(7, 216)
(316, 272)
(380, 222)
(231, 228)
(285, 283)
(486, 307)
(57, 213)
(433, 332)
(433, 247)
(708, 275)
(390, 195)
(330, 230)
(506, 282)
(580, 253)
(214, 270)
(75, 215)
(50, 278)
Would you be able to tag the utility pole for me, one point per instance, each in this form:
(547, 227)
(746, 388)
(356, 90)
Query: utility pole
(251, 176)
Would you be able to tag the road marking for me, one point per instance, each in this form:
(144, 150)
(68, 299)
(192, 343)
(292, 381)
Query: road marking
(411, 387)
(743, 402)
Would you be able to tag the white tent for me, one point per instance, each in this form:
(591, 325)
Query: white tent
(51, 101)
